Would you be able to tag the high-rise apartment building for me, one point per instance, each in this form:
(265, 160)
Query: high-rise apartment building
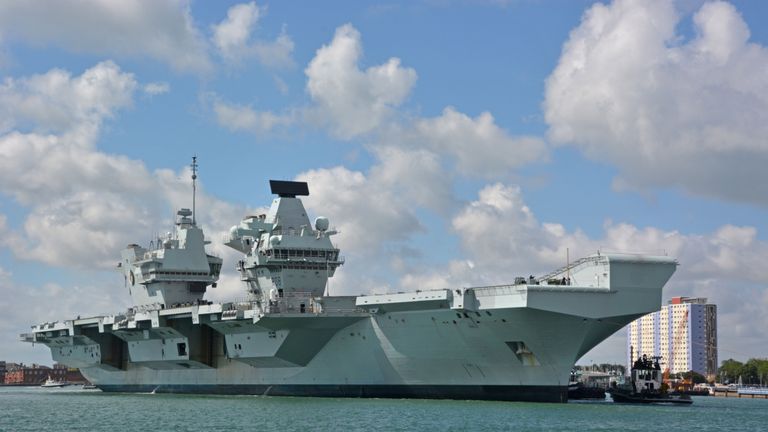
(683, 333)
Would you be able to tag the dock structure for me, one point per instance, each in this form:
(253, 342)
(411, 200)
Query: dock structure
(748, 392)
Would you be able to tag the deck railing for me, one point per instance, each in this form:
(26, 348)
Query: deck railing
(595, 259)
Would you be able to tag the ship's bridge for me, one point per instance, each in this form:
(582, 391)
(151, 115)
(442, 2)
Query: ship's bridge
(175, 268)
(283, 252)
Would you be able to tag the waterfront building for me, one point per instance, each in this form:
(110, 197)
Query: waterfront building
(26, 375)
(683, 333)
(19, 374)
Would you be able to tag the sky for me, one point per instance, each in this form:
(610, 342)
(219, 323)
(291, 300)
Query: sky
(451, 142)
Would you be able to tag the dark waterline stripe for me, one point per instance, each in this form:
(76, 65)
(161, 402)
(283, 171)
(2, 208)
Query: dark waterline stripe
(459, 392)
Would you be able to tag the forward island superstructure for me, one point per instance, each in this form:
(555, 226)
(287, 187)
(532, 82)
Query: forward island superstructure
(288, 337)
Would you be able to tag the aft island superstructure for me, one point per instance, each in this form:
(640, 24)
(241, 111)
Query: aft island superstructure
(288, 337)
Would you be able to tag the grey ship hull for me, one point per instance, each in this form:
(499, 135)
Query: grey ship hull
(516, 342)
(397, 354)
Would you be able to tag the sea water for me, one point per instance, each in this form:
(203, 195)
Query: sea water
(72, 409)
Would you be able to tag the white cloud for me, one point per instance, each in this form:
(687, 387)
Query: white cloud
(231, 35)
(352, 102)
(84, 205)
(80, 230)
(244, 118)
(281, 85)
(55, 101)
(415, 176)
(366, 212)
(64, 114)
(502, 237)
(480, 147)
(24, 305)
(348, 100)
(378, 210)
(277, 53)
(89, 205)
(413, 170)
(162, 30)
(233, 38)
(630, 91)
(499, 231)
(379, 213)
(156, 88)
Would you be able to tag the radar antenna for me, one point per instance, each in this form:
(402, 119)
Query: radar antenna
(194, 186)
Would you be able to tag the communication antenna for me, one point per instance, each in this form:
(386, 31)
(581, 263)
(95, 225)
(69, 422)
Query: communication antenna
(194, 186)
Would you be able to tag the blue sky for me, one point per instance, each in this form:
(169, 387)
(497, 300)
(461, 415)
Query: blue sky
(453, 143)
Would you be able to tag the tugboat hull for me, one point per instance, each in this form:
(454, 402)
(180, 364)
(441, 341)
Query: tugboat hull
(639, 398)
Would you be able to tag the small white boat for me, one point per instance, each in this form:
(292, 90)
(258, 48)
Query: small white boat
(51, 383)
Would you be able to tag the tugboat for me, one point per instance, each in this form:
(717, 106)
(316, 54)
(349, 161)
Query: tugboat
(645, 386)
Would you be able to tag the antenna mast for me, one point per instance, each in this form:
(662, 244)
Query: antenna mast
(194, 186)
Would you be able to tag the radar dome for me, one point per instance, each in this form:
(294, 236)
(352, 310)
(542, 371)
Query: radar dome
(321, 223)
(274, 240)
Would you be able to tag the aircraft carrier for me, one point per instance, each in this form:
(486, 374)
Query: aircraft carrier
(286, 336)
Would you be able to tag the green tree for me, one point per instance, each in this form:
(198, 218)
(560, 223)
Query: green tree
(730, 370)
(749, 372)
(756, 371)
(762, 371)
